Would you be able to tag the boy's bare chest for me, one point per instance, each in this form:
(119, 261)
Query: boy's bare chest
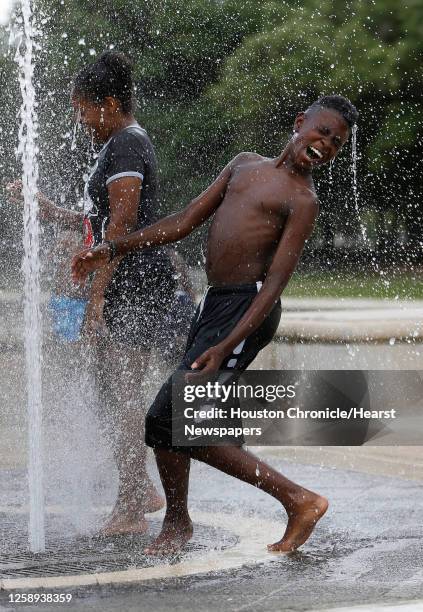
(257, 193)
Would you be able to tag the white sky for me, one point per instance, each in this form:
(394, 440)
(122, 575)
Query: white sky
(5, 9)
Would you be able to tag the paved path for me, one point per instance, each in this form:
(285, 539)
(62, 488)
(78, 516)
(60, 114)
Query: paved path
(367, 549)
(333, 320)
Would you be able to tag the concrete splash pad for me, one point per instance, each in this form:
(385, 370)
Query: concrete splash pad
(366, 549)
(220, 542)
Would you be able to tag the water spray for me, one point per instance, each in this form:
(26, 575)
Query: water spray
(27, 150)
(354, 180)
(76, 127)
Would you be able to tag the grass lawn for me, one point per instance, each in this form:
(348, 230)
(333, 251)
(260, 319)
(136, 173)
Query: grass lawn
(401, 286)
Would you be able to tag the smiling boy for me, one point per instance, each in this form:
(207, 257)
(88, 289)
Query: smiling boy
(264, 211)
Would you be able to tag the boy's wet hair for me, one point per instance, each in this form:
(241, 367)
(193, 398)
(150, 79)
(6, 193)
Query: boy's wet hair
(339, 104)
(110, 75)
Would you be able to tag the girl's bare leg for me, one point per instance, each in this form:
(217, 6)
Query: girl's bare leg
(121, 381)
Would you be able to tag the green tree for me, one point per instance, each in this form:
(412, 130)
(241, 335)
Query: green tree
(218, 76)
(369, 51)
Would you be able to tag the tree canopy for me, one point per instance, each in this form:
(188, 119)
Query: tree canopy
(220, 76)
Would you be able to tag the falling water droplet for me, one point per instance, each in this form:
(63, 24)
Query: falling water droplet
(257, 471)
(75, 130)
(92, 145)
(330, 177)
(354, 179)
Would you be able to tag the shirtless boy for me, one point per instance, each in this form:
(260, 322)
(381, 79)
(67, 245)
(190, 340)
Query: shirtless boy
(264, 211)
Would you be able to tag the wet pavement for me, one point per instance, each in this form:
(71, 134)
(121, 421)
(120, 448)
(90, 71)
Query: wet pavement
(368, 548)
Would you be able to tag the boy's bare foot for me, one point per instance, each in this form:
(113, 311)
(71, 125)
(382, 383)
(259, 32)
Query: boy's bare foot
(172, 538)
(302, 518)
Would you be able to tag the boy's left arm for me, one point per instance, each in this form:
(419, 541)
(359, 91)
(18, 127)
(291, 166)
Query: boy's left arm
(298, 229)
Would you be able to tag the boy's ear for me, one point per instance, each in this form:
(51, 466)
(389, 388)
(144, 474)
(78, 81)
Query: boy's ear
(299, 120)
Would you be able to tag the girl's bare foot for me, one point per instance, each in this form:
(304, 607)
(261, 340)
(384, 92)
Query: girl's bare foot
(172, 538)
(125, 524)
(128, 514)
(153, 501)
(125, 519)
(302, 518)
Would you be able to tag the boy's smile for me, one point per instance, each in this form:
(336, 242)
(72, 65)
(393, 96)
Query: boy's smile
(319, 137)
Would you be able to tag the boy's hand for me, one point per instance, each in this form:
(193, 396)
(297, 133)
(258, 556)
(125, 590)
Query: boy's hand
(209, 362)
(88, 261)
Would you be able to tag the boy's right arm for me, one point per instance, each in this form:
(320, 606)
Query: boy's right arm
(166, 230)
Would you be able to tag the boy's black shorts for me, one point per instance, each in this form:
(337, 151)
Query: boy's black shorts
(217, 315)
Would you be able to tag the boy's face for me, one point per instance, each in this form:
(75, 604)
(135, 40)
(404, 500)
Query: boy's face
(319, 137)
